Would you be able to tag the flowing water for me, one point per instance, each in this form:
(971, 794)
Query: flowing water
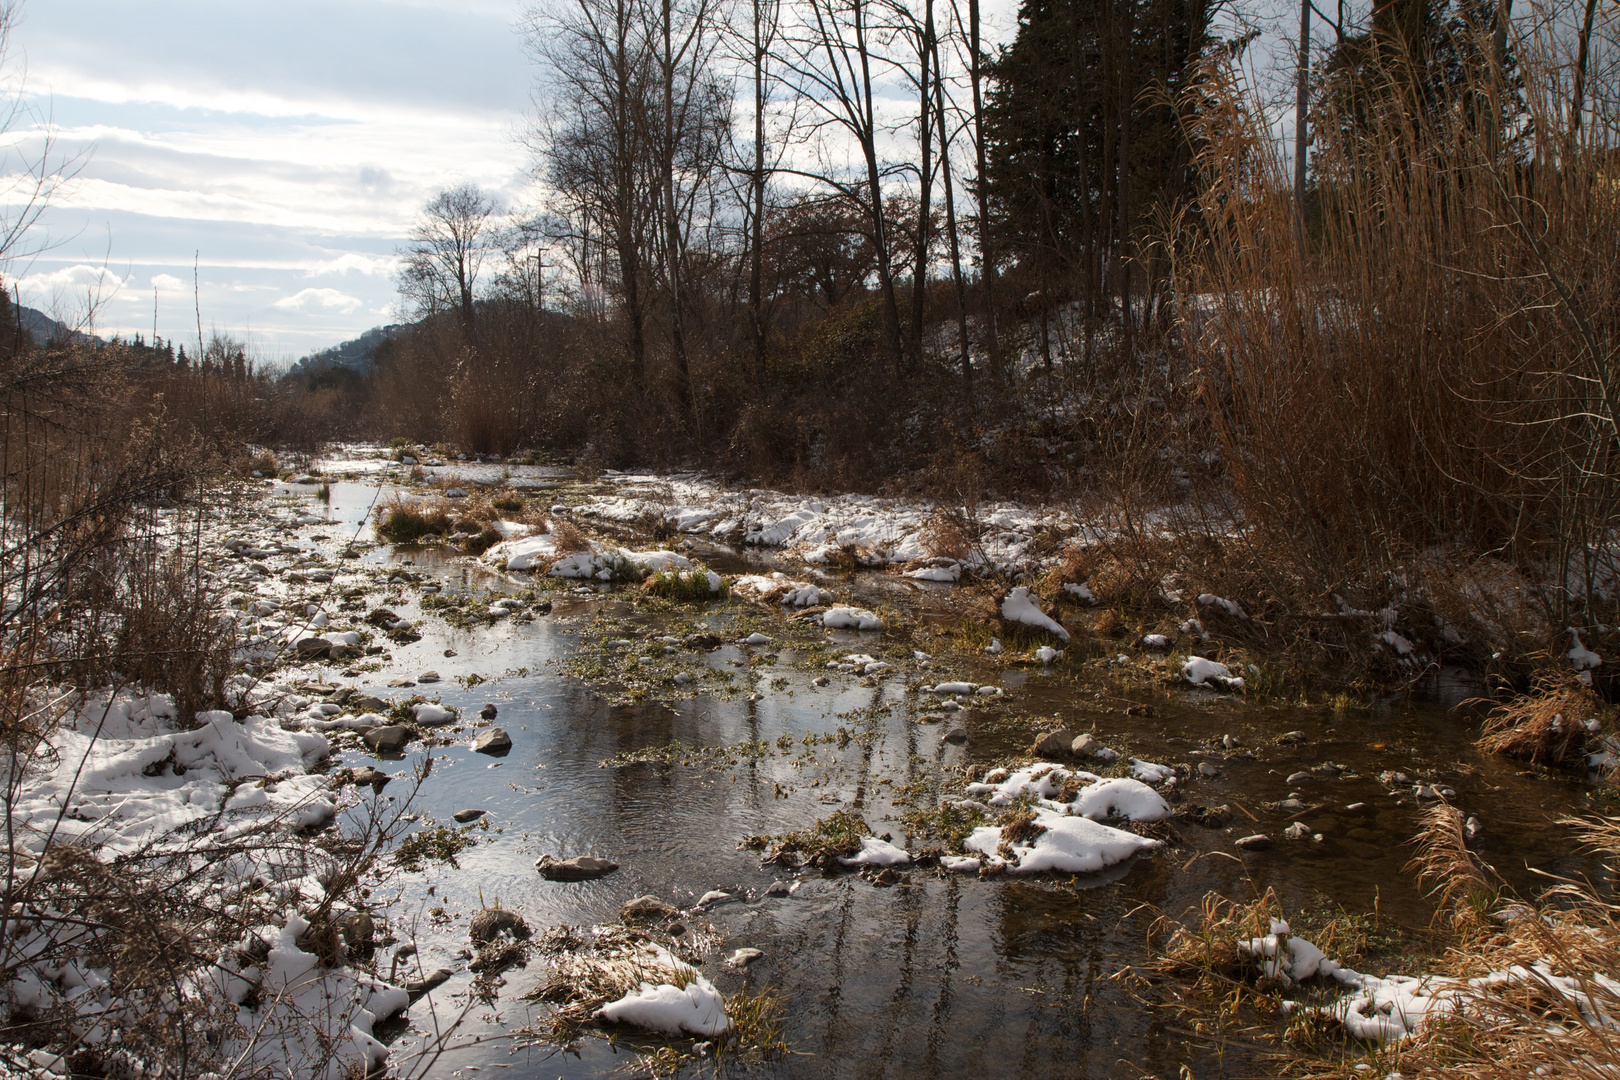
(937, 975)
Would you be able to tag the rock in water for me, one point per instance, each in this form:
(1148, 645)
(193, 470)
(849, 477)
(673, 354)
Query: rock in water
(418, 987)
(646, 909)
(743, 957)
(490, 923)
(956, 735)
(1257, 842)
(493, 741)
(464, 816)
(579, 868)
(488, 712)
(389, 739)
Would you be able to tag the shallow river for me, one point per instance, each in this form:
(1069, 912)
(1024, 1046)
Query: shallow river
(939, 975)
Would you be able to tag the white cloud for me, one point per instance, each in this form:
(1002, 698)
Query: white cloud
(354, 262)
(76, 278)
(168, 283)
(320, 300)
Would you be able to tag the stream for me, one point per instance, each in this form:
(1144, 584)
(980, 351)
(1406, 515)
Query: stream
(939, 974)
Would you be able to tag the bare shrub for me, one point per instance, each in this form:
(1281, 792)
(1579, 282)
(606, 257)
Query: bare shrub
(568, 538)
(1547, 726)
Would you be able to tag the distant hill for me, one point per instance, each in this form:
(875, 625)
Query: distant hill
(45, 330)
(355, 355)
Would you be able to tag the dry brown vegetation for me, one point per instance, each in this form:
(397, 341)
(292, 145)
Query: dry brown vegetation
(1547, 726)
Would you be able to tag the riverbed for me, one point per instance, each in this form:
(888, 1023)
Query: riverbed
(934, 974)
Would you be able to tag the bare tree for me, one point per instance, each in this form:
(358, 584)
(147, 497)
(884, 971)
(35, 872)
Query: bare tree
(830, 56)
(449, 244)
(596, 147)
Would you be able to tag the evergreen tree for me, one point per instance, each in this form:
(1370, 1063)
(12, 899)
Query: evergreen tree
(1083, 138)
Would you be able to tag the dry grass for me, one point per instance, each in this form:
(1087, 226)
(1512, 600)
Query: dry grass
(568, 538)
(1547, 726)
(404, 520)
(1463, 887)
(1430, 367)
(947, 536)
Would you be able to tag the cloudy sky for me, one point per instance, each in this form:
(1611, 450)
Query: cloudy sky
(283, 148)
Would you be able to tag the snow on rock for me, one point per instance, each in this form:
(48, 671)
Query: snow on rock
(846, 618)
(1020, 607)
(1582, 658)
(1149, 772)
(525, 553)
(430, 715)
(944, 570)
(310, 1021)
(111, 778)
(876, 852)
(1044, 782)
(680, 1002)
(1231, 607)
(1046, 654)
(1399, 644)
(1202, 672)
(1066, 845)
(1123, 798)
(778, 588)
(1080, 592)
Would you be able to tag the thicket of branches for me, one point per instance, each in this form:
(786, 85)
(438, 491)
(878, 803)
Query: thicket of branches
(841, 242)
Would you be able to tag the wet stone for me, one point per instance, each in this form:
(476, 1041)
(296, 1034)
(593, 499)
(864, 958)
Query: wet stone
(579, 868)
(489, 923)
(493, 741)
(646, 909)
(418, 987)
(489, 711)
(956, 735)
(464, 816)
(1257, 842)
(388, 739)
(778, 888)
(743, 957)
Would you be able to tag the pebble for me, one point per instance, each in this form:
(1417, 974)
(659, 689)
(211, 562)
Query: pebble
(715, 897)
(1257, 842)
(956, 735)
(428, 676)
(743, 957)
(1206, 769)
(777, 888)
(1295, 778)
(489, 711)
(1296, 831)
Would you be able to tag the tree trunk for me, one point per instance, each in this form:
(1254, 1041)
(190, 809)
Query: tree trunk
(880, 233)
(986, 251)
(672, 227)
(925, 180)
(1301, 133)
(951, 233)
(756, 271)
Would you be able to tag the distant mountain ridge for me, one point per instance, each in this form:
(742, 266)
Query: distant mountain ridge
(356, 355)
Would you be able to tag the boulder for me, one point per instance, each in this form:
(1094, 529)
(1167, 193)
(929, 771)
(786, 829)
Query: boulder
(1084, 745)
(579, 868)
(494, 741)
